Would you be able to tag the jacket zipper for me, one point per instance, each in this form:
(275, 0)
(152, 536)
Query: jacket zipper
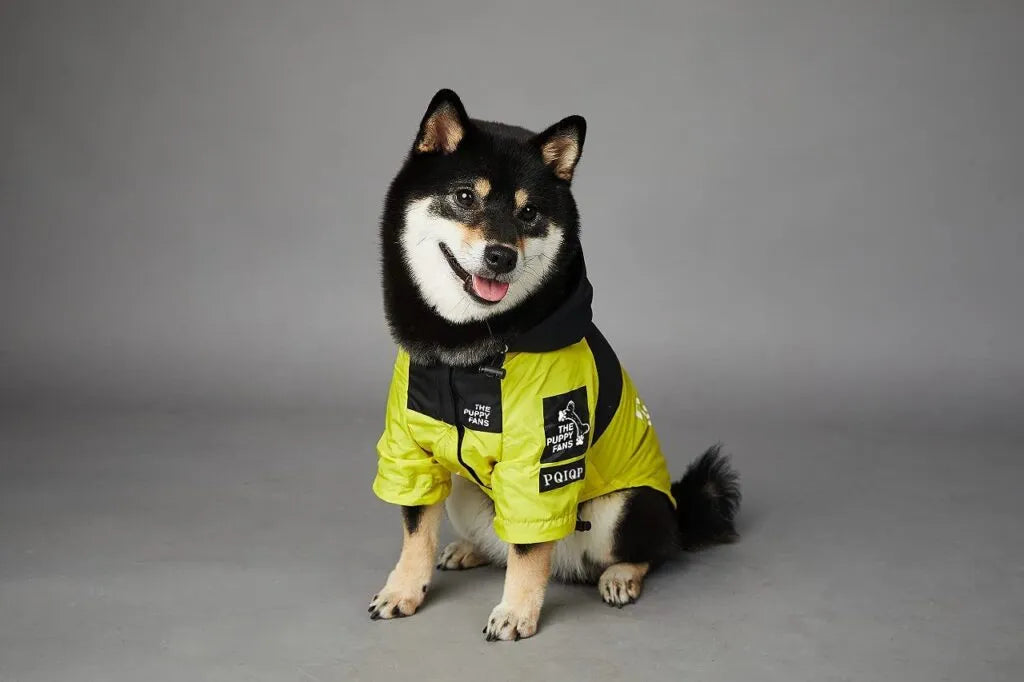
(460, 429)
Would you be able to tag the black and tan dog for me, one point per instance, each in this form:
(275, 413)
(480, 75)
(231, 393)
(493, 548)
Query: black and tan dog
(506, 402)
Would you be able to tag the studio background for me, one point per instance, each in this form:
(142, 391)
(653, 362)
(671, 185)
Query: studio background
(803, 223)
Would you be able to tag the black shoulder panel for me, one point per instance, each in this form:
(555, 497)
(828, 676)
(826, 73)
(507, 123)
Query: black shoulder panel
(456, 395)
(430, 392)
(609, 378)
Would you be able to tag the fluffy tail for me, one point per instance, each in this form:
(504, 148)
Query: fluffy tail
(707, 499)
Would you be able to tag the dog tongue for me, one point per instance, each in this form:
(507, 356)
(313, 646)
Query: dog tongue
(489, 289)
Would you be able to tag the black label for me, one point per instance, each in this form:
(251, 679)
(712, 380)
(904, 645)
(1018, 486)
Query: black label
(552, 478)
(478, 400)
(481, 416)
(566, 425)
(456, 396)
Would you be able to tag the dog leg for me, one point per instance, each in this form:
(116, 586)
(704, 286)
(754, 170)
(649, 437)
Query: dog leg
(526, 579)
(621, 584)
(407, 584)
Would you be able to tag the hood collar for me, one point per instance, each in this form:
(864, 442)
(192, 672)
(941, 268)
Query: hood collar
(567, 324)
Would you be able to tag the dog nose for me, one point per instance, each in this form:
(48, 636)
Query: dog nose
(500, 258)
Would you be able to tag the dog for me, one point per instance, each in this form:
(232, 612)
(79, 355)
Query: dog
(507, 406)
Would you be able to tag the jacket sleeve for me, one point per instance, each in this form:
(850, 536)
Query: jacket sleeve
(406, 473)
(538, 482)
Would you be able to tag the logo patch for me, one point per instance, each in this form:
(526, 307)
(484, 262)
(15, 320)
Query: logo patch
(478, 416)
(566, 425)
(478, 401)
(552, 478)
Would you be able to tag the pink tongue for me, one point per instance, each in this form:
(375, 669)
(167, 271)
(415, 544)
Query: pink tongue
(489, 289)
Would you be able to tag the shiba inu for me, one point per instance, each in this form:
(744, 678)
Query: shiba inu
(507, 406)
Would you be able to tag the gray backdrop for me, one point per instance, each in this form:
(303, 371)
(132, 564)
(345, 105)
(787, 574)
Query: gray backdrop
(789, 207)
(803, 220)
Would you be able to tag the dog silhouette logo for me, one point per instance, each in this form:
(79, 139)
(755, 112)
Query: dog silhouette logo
(569, 415)
(566, 425)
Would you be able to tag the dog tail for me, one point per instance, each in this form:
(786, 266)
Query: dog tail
(707, 499)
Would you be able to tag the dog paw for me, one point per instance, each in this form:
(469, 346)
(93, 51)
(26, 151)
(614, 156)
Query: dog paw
(620, 584)
(396, 602)
(511, 624)
(459, 555)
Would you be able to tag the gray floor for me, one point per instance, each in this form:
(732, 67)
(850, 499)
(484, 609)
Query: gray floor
(244, 547)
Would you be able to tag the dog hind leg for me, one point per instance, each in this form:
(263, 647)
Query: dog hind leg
(471, 514)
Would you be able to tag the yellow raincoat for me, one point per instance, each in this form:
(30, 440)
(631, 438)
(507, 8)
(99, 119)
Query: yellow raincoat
(562, 426)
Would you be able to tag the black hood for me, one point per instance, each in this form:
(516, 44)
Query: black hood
(567, 324)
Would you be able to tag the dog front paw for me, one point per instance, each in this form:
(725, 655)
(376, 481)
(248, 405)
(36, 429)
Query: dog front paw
(397, 600)
(510, 623)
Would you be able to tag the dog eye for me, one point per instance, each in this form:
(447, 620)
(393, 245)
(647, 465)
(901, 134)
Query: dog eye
(528, 213)
(464, 198)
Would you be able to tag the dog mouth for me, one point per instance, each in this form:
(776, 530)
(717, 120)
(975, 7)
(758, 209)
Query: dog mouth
(483, 289)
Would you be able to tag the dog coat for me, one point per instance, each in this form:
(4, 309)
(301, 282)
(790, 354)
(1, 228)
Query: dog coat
(562, 426)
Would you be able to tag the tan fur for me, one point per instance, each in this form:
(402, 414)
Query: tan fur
(521, 198)
(526, 579)
(407, 584)
(460, 555)
(561, 153)
(482, 187)
(621, 584)
(471, 233)
(442, 132)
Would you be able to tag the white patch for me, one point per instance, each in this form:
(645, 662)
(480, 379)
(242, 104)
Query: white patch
(595, 544)
(471, 514)
(442, 289)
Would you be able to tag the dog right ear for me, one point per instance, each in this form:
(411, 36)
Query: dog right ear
(443, 126)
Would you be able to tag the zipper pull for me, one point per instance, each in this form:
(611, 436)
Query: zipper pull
(496, 372)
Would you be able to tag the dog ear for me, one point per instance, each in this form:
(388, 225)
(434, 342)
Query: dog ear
(561, 145)
(443, 126)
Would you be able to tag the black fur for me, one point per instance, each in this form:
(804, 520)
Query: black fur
(510, 158)
(707, 499)
(411, 516)
(647, 530)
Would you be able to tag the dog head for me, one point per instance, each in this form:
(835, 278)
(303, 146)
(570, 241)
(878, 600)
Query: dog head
(481, 217)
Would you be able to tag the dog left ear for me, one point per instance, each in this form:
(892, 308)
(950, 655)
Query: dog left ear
(443, 126)
(561, 145)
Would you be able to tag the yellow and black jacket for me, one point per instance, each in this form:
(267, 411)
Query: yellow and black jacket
(563, 425)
